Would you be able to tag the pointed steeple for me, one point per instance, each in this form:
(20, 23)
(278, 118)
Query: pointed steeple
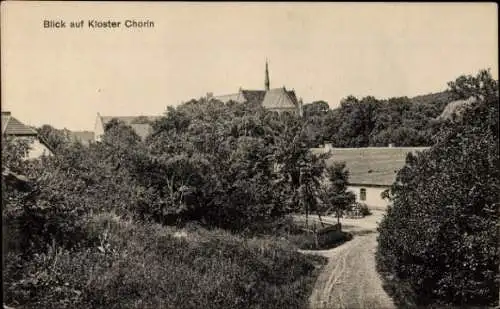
(266, 82)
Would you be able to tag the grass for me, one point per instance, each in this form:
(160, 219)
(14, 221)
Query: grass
(136, 265)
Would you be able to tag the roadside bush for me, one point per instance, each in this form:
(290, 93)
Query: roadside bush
(439, 240)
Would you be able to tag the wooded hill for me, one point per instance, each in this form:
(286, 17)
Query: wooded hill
(368, 121)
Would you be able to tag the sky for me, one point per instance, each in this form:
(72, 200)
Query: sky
(324, 51)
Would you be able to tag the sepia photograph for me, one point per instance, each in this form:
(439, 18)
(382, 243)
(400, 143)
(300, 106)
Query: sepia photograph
(250, 155)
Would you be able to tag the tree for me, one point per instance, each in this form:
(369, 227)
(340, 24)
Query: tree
(255, 158)
(316, 108)
(400, 121)
(56, 139)
(358, 121)
(480, 86)
(439, 238)
(335, 194)
(14, 152)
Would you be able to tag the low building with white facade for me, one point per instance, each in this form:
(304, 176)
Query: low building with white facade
(372, 170)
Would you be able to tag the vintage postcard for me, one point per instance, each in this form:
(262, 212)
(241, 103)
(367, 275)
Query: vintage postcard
(189, 155)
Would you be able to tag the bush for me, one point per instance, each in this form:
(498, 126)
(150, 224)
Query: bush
(364, 210)
(146, 266)
(439, 239)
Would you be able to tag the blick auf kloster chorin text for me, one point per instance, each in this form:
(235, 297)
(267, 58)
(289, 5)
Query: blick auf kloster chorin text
(98, 24)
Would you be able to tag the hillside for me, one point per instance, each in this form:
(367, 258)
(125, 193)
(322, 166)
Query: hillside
(368, 121)
(442, 97)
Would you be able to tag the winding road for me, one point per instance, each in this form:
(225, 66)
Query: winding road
(350, 279)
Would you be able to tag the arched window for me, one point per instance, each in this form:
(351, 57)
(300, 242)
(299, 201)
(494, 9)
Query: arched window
(362, 194)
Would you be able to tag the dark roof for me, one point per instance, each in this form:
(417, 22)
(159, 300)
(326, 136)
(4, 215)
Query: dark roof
(293, 97)
(254, 95)
(376, 166)
(13, 127)
(280, 98)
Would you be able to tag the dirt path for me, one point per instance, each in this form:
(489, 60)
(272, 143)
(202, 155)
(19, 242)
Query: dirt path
(350, 279)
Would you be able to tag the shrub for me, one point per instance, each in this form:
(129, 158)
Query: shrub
(145, 266)
(439, 239)
(364, 210)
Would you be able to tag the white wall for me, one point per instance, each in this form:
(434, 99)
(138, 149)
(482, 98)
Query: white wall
(373, 196)
(98, 128)
(38, 149)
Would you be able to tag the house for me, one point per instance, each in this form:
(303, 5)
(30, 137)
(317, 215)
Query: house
(13, 128)
(276, 99)
(372, 170)
(140, 124)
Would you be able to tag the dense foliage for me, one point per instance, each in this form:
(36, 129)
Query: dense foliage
(142, 266)
(439, 241)
(376, 122)
(224, 165)
(228, 165)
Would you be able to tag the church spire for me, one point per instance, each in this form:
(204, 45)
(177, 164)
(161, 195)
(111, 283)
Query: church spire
(266, 82)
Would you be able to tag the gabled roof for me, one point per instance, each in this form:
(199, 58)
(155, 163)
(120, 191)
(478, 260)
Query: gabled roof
(13, 127)
(370, 166)
(280, 98)
(293, 97)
